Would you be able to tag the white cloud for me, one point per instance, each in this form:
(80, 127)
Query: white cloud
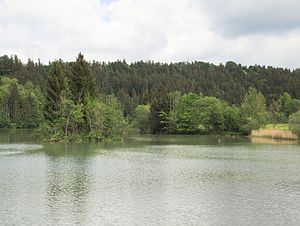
(239, 17)
(170, 30)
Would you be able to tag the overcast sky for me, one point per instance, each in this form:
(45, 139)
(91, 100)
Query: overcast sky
(265, 32)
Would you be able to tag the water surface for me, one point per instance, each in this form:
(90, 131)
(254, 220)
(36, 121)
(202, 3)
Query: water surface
(149, 180)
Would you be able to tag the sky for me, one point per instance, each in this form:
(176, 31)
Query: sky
(265, 32)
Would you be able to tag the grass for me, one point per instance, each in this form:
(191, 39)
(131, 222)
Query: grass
(284, 127)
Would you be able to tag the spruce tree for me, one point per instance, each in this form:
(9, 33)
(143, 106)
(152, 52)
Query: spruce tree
(54, 88)
(83, 84)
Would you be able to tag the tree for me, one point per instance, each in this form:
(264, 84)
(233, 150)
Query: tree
(105, 118)
(275, 111)
(141, 118)
(126, 102)
(54, 89)
(159, 110)
(13, 105)
(82, 82)
(198, 114)
(286, 104)
(295, 106)
(30, 113)
(254, 109)
(210, 114)
(185, 118)
(233, 119)
(294, 122)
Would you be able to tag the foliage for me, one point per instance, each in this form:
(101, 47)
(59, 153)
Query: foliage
(82, 83)
(286, 104)
(56, 83)
(159, 110)
(82, 100)
(21, 105)
(73, 110)
(277, 111)
(105, 119)
(185, 120)
(254, 110)
(294, 122)
(233, 119)
(277, 126)
(295, 106)
(142, 118)
(197, 114)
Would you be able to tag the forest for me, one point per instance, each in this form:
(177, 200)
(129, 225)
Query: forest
(81, 100)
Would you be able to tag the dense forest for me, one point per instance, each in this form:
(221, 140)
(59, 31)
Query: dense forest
(97, 100)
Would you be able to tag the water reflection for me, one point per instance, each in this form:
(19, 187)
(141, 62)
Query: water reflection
(9, 136)
(262, 140)
(148, 188)
(68, 185)
(169, 180)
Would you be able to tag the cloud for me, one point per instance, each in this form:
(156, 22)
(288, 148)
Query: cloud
(245, 31)
(240, 17)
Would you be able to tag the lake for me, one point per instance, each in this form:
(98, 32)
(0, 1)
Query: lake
(149, 180)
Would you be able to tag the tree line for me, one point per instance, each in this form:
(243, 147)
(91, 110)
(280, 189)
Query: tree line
(199, 114)
(95, 100)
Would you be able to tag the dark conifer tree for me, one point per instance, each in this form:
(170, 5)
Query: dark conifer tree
(29, 114)
(83, 84)
(14, 105)
(55, 85)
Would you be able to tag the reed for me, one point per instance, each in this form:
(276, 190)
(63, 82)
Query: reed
(267, 140)
(275, 134)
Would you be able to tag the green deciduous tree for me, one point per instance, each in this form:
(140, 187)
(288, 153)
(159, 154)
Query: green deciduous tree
(275, 112)
(21, 105)
(233, 119)
(294, 122)
(186, 118)
(254, 109)
(286, 104)
(105, 118)
(197, 114)
(141, 118)
(210, 113)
